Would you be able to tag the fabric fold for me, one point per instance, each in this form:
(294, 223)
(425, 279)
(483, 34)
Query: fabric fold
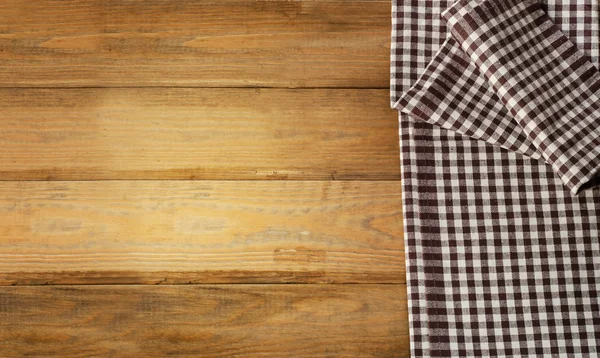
(449, 95)
(548, 85)
(510, 77)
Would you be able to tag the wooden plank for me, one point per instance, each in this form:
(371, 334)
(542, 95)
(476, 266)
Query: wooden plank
(204, 320)
(200, 231)
(217, 43)
(84, 134)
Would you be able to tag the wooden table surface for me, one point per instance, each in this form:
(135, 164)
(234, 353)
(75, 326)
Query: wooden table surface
(199, 178)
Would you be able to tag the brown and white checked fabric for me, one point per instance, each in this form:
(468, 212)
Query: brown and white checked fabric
(499, 129)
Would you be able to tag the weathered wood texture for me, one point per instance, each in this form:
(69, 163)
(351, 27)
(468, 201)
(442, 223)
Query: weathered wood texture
(87, 134)
(218, 43)
(206, 320)
(200, 231)
(274, 185)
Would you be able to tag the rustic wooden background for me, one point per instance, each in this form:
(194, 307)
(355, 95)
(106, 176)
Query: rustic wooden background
(202, 178)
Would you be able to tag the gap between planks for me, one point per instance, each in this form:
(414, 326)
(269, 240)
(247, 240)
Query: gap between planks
(89, 278)
(201, 87)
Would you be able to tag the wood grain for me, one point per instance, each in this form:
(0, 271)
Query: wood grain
(217, 43)
(91, 134)
(271, 183)
(200, 231)
(205, 320)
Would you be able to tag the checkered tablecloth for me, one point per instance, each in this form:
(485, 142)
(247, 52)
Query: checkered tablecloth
(499, 104)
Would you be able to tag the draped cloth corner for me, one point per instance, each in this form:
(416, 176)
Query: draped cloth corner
(499, 104)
